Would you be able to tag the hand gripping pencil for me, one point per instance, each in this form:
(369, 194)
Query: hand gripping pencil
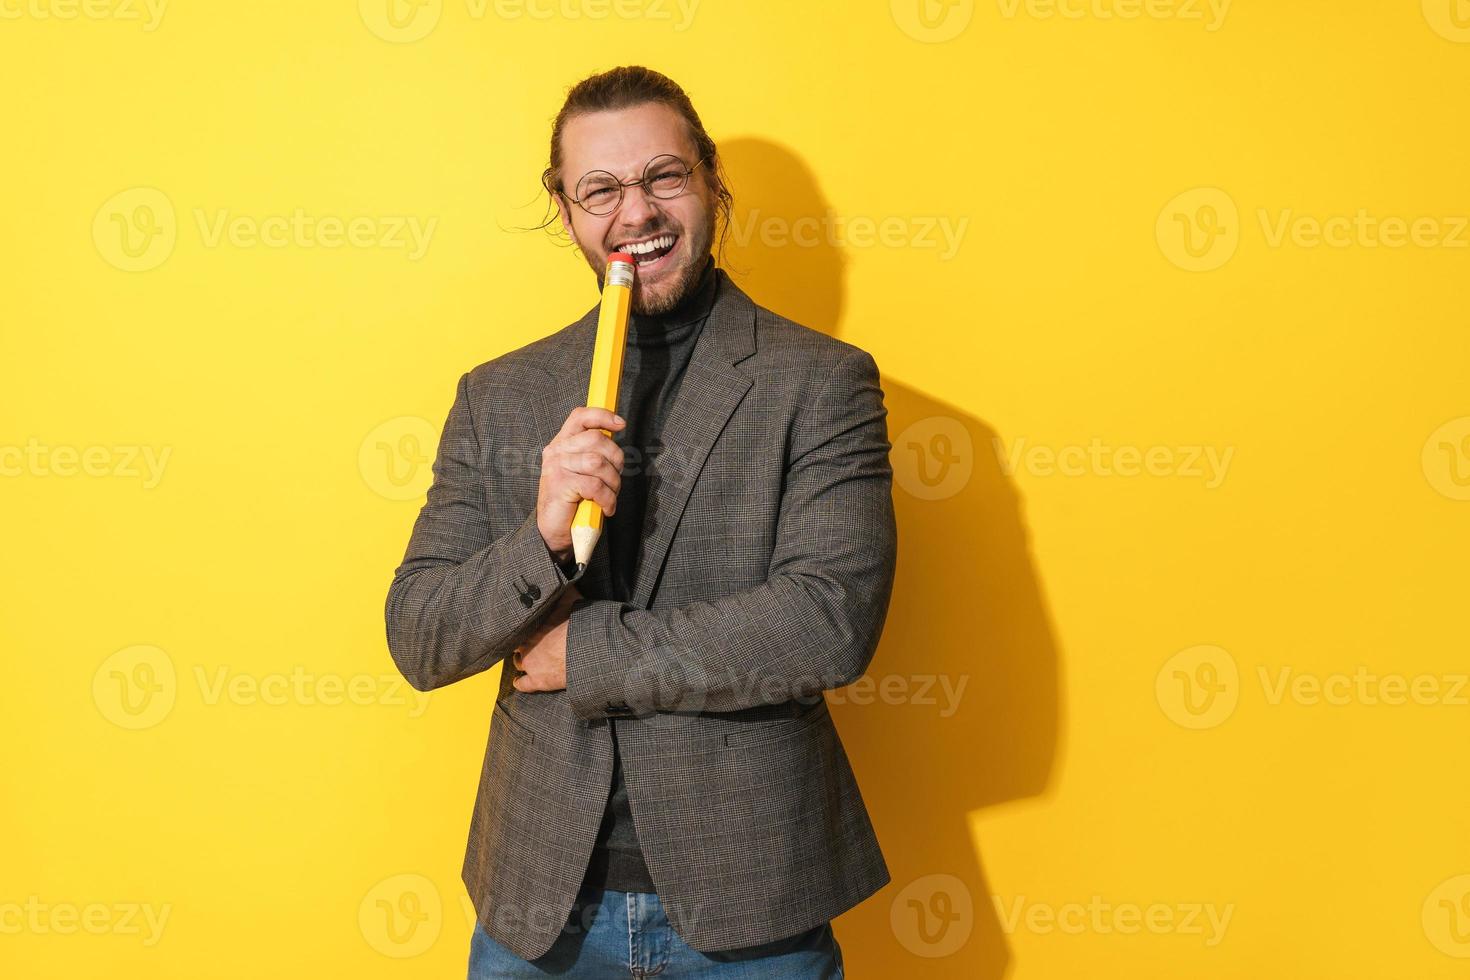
(602, 389)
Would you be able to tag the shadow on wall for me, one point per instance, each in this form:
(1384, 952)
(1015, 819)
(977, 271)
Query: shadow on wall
(961, 706)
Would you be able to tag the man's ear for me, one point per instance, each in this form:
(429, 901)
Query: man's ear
(565, 214)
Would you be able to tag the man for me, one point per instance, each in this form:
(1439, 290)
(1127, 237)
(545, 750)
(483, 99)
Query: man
(664, 791)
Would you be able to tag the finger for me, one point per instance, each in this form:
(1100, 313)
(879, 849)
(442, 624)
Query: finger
(587, 417)
(591, 488)
(593, 463)
(587, 453)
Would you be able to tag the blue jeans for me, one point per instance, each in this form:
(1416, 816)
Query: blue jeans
(613, 934)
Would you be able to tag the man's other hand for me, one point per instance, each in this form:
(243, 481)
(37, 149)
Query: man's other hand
(541, 659)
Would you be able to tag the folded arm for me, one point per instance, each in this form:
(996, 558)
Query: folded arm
(460, 601)
(813, 624)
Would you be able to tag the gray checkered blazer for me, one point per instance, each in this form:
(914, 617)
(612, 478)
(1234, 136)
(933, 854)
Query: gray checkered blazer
(764, 575)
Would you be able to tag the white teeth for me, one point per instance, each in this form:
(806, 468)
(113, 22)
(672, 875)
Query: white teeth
(641, 248)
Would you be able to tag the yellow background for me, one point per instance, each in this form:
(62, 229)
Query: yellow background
(1121, 740)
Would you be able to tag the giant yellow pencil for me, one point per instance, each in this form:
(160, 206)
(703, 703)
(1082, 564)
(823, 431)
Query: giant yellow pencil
(602, 389)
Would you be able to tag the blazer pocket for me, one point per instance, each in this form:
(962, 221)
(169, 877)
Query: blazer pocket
(782, 728)
(515, 728)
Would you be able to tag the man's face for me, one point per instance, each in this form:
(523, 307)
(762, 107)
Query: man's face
(622, 143)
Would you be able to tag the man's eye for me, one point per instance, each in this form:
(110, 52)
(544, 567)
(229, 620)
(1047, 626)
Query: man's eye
(599, 194)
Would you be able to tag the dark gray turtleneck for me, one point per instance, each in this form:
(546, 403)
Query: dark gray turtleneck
(654, 361)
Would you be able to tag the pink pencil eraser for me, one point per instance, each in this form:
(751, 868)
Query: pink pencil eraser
(620, 257)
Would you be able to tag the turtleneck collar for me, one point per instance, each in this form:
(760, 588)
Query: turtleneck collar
(663, 328)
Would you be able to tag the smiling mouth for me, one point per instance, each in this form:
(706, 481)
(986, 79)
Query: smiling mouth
(649, 255)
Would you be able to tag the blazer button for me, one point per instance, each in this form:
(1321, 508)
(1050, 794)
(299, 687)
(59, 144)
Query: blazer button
(534, 591)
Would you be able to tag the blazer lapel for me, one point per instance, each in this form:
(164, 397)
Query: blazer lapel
(708, 395)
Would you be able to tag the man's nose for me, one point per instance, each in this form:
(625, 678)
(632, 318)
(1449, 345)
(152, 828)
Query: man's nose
(637, 208)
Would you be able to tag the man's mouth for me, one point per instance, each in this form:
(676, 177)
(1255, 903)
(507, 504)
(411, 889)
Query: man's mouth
(648, 254)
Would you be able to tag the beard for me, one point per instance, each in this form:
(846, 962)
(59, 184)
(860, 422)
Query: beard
(674, 285)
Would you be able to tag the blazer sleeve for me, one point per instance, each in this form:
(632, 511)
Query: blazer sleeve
(460, 600)
(813, 624)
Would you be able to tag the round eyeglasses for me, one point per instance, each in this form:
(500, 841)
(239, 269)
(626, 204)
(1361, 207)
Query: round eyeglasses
(600, 193)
